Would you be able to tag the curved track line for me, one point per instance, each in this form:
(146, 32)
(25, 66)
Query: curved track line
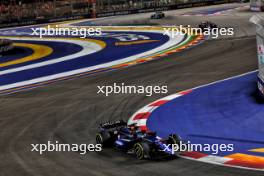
(173, 42)
(39, 51)
(89, 46)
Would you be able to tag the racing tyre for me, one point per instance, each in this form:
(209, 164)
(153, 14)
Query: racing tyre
(104, 138)
(174, 139)
(142, 150)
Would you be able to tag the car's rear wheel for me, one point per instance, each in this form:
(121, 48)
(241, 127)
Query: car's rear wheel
(99, 138)
(104, 138)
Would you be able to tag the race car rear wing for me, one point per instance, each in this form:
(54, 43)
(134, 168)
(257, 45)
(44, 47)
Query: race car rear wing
(113, 124)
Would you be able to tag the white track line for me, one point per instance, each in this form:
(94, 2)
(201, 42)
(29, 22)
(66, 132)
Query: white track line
(172, 42)
(87, 48)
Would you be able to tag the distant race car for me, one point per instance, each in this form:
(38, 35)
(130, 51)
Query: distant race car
(207, 25)
(5, 45)
(157, 15)
(130, 139)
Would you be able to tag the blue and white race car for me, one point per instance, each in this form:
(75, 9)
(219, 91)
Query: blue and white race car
(157, 15)
(131, 139)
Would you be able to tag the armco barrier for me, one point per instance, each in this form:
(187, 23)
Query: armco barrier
(259, 21)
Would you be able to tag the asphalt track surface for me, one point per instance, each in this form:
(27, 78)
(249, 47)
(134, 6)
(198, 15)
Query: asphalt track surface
(69, 111)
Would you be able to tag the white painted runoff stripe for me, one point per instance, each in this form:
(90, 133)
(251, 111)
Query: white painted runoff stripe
(141, 122)
(92, 46)
(147, 109)
(215, 159)
(87, 48)
(222, 80)
(172, 42)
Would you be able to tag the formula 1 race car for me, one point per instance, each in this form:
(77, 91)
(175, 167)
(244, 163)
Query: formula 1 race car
(5, 45)
(207, 25)
(130, 139)
(157, 15)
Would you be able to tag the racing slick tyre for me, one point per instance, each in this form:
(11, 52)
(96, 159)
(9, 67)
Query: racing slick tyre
(142, 150)
(104, 138)
(174, 139)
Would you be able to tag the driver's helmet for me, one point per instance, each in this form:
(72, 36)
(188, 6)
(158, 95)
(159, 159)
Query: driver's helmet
(133, 128)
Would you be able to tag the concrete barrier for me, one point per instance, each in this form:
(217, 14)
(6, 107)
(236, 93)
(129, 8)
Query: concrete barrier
(259, 21)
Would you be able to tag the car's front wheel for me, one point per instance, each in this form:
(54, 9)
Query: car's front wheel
(142, 150)
(174, 139)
